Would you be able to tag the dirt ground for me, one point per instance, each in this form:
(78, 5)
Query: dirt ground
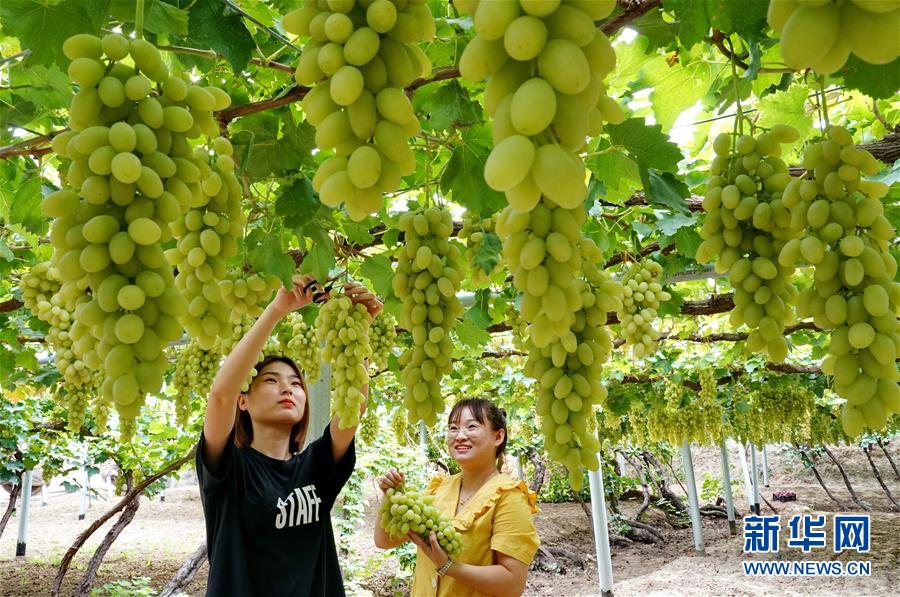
(164, 534)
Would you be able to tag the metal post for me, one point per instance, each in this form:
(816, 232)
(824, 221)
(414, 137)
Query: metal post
(85, 488)
(726, 481)
(423, 438)
(601, 532)
(693, 502)
(319, 404)
(755, 477)
(23, 515)
(748, 484)
(765, 466)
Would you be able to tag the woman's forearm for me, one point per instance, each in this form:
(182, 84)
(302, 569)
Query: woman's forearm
(493, 580)
(234, 371)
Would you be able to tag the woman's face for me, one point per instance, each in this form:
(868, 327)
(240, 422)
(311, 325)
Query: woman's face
(472, 443)
(276, 396)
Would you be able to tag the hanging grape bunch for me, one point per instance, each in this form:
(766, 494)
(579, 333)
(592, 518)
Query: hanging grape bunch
(226, 343)
(695, 419)
(383, 338)
(248, 293)
(519, 328)
(124, 172)
(569, 371)
(426, 280)
(343, 330)
(405, 510)
(207, 235)
(368, 427)
(195, 370)
(822, 34)
(846, 237)
(360, 58)
(302, 346)
(400, 427)
(642, 295)
(746, 225)
(482, 248)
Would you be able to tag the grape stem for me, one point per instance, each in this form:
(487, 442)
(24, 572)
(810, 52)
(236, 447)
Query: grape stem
(139, 19)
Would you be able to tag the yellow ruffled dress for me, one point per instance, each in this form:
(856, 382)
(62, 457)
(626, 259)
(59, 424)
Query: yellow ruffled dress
(497, 518)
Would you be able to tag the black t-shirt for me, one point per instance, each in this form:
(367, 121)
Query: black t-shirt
(268, 521)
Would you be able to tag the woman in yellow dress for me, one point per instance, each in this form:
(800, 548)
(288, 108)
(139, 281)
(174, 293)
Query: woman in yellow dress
(492, 512)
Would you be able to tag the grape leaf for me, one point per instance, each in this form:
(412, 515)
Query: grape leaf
(297, 203)
(670, 223)
(877, 81)
(159, 17)
(260, 149)
(646, 144)
(377, 268)
(479, 312)
(450, 105)
(787, 107)
(25, 208)
(612, 167)
(269, 258)
(464, 174)
(42, 26)
(45, 86)
(319, 258)
(488, 254)
(213, 25)
(696, 17)
(470, 334)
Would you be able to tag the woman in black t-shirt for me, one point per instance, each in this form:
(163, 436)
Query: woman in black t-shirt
(267, 504)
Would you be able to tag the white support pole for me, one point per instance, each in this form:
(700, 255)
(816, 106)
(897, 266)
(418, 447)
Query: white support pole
(748, 484)
(601, 532)
(755, 477)
(765, 466)
(693, 502)
(620, 459)
(43, 496)
(319, 404)
(726, 482)
(423, 438)
(85, 488)
(23, 515)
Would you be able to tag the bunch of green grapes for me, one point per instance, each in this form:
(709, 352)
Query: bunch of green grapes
(519, 328)
(544, 63)
(343, 330)
(368, 427)
(76, 398)
(382, 338)
(303, 347)
(206, 235)
(695, 420)
(821, 34)
(569, 371)
(128, 174)
(100, 409)
(248, 293)
(544, 253)
(824, 428)
(477, 232)
(747, 223)
(404, 510)
(846, 236)
(426, 280)
(642, 295)
(195, 370)
(400, 427)
(360, 57)
(38, 285)
(226, 343)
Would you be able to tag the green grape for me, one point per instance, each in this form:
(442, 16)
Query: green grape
(780, 410)
(519, 329)
(403, 510)
(746, 226)
(343, 330)
(400, 427)
(426, 281)
(642, 295)
(854, 294)
(382, 338)
(695, 419)
(357, 64)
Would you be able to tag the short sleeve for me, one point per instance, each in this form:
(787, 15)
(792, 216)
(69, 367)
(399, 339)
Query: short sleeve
(210, 482)
(334, 474)
(514, 533)
(434, 484)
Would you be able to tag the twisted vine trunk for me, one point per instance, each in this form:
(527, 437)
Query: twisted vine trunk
(87, 581)
(853, 495)
(186, 573)
(815, 471)
(11, 507)
(868, 451)
(883, 449)
(126, 499)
